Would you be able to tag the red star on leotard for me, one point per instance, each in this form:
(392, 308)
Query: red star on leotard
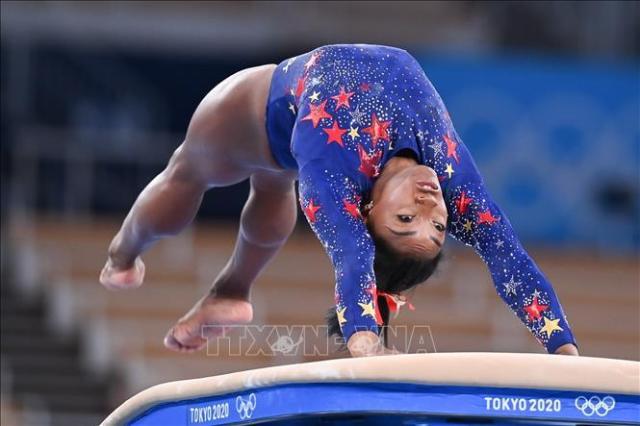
(534, 309)
(369, 162)
(451, 148)
(352, 209)
(311, 210)
(335, 134)
(463, 203)
(342, 99)
(378, 129)
(364, 87)
(300, 87)
(317, 113)
(487, 217)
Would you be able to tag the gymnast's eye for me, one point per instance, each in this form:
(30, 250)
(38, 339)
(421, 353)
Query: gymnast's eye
(404, 218)
(439, 227)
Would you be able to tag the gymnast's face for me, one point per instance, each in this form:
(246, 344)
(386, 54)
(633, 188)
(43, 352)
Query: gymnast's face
(408, 211)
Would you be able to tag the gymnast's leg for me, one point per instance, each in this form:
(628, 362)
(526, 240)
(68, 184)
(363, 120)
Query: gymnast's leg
(164, 208)
(267, 220)
(225, 144)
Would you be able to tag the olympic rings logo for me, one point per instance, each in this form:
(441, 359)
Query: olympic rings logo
(595, 405)
(245, 407)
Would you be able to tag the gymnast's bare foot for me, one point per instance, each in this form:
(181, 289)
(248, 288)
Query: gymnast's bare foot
(191, 332)
(114, 277)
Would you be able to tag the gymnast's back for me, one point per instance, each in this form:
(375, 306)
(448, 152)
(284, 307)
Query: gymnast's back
(339, 87)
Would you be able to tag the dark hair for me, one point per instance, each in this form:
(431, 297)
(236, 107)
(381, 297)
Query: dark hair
(395, 273)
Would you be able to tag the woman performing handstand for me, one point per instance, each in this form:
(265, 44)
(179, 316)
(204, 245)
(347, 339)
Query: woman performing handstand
(382, 177)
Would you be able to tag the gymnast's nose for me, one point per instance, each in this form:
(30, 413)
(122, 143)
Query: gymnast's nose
(425, 198)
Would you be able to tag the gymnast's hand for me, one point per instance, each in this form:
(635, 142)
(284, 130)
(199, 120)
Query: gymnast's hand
(367, 343)
(567, 349)
(115, 277)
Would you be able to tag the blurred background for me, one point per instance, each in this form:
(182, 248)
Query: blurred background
(96, 96)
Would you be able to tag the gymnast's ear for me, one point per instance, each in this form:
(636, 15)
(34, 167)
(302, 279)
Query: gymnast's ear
(365, 209)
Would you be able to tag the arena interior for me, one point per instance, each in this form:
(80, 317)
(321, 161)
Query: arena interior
(97, 95)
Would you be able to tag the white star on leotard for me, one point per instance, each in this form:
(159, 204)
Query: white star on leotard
(315, 81)
(499, 243)
(511, 287)
(314, 96)
(289, 62)
(292, 108)
(357, 116)
(437, 148)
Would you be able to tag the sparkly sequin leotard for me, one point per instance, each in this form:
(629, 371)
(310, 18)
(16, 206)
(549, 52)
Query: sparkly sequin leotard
(337, 115)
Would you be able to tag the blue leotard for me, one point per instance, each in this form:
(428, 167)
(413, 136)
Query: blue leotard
(337, 115)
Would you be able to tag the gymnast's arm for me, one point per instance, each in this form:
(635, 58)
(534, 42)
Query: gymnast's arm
(476, 220)
(325, 200)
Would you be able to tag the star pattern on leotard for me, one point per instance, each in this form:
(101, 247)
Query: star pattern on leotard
(369, 162)
(367, 309)
(550, 326)
(378, 129)
(487, 217)
(334, 134)
(463, 202)
(317, 113)
(310, 210)
(342, 99)
(451, 148)
(357, 116)
(299, 87)
(355, 107)
(535, 309)
(437, 148)
(352, 209)
(511, 287)
(340, 313)
(449, 170)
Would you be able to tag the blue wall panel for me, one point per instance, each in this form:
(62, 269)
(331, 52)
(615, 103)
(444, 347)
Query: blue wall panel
(556, 140)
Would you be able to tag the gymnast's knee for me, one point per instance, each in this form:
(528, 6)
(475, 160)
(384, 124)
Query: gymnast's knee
(268, 218)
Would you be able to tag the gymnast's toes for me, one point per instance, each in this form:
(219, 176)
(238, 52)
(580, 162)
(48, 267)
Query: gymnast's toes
(179, 340)
(210, 317)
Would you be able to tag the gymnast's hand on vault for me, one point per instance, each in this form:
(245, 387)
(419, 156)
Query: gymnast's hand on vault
(367, 343)
(116, 278)
(567, 349)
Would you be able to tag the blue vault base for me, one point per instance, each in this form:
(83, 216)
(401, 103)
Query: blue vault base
(426, 389)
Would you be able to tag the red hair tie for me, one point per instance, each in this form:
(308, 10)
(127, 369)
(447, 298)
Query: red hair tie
(394, 302)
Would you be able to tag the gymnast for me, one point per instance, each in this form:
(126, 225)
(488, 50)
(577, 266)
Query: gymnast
(382, 178)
